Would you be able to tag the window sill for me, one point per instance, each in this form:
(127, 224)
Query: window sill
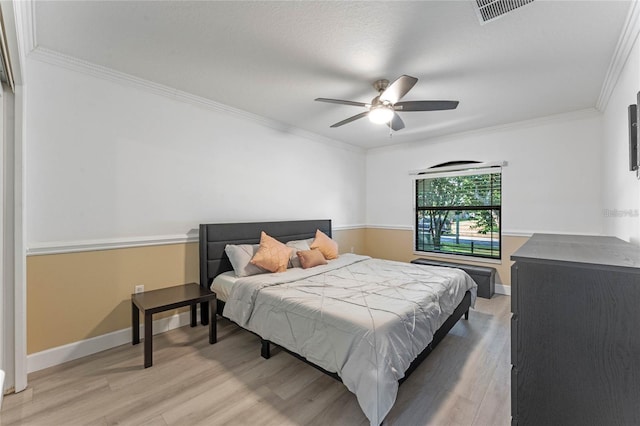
(458, 257)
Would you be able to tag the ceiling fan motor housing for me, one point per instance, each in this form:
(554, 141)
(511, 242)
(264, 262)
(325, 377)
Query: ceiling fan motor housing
(381, 85)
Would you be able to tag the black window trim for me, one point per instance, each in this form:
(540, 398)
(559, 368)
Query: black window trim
(457, 168)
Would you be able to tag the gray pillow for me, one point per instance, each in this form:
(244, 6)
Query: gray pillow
(297, 245)
(240, 256)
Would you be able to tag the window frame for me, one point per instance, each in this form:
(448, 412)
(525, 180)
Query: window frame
(461, 170)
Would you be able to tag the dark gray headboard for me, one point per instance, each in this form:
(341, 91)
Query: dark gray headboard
(214, 237)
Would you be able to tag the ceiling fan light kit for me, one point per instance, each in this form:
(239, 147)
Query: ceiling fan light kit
(382, 109)
(381, 114)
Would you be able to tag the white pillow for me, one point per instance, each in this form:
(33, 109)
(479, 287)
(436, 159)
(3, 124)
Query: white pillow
(297, 245)
(240, 256)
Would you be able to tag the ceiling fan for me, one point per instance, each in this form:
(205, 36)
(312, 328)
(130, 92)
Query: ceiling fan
(383, 108)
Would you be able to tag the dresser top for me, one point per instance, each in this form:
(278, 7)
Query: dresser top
(580, 250)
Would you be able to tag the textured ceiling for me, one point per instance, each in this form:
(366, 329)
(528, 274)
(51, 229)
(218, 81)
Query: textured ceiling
(274, 58)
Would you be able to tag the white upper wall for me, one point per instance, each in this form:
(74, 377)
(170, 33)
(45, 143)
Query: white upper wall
(108, 161)
(551, 183)
(621, 188)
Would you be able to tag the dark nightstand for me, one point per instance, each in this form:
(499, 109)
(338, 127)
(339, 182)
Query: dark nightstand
(164, 299)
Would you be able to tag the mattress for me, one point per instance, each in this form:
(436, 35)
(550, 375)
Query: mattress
(222, 285)
(362, 318)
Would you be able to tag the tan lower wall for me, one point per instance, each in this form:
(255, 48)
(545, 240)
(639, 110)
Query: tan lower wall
(351, 240)
(76, 296)
(397, 244)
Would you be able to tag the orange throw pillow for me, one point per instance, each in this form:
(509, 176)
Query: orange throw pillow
(311, 258)
(326, 245)
(272, 254)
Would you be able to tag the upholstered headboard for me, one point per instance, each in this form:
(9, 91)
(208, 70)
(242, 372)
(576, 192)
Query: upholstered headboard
(214, 237)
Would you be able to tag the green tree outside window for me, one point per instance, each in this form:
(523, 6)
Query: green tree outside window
(459, 214)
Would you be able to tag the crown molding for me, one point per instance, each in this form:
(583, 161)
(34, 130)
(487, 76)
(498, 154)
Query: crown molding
(53, 57)
(621, 54)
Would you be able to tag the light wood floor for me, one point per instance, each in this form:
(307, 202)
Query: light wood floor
(464, 381)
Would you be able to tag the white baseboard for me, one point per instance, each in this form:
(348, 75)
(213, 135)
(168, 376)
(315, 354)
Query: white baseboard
(65, 353)
(503, 289)
(61, 354)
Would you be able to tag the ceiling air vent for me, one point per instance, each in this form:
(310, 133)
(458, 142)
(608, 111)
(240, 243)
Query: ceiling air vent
(488, 10)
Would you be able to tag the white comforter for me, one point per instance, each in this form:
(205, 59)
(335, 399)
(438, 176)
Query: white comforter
(364, 319)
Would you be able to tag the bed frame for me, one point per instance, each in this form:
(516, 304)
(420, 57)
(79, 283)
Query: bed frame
(214, 261)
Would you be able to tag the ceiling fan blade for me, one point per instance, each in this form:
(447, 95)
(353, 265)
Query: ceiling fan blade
(350, 119)
(398, 88)
(425, 105)
(339, 101)
(396, 122)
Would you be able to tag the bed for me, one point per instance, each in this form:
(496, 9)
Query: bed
(366, 322)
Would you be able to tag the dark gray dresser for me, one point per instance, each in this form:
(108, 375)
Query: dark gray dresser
(575, 331)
